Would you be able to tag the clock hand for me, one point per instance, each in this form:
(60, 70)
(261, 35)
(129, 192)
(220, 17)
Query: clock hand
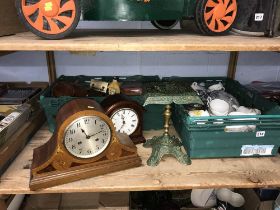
(95, 134)
(83, 131)
(123, 120)
(121, 127)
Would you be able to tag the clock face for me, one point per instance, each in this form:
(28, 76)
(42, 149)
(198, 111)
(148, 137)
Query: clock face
(87, 137)
(125, 120)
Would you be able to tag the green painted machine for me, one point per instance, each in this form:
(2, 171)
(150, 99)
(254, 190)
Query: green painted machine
(55, 19)
(129, 10)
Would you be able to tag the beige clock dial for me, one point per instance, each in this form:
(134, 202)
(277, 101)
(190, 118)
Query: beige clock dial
(87, 137)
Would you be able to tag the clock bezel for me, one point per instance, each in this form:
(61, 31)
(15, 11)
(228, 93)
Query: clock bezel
(127, 108)
(96, 154)
(68, 121)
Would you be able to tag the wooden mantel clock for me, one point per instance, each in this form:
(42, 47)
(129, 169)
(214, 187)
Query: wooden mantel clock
(127, 116)
(84, 145)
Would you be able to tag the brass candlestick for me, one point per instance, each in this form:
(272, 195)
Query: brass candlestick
(166, 144)
(167, 115)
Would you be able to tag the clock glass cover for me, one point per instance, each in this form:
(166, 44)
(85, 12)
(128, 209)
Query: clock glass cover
(87, 137)
(125, 120)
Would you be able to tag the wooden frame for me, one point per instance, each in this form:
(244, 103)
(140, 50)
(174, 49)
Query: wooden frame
(232, 66)
(244, 173)
(51, 66)
(169, 175)
(138, 40)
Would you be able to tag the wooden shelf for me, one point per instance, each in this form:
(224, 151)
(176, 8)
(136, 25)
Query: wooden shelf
(169, 175)
(138, 40)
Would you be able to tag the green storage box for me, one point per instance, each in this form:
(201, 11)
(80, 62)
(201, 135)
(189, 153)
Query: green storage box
(152, 117)
(206, 137)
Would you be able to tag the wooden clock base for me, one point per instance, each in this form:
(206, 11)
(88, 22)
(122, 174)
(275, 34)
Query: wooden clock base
(56, 168)
(51, 179)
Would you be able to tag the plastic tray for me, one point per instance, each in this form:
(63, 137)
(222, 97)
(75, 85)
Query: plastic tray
(207, 137)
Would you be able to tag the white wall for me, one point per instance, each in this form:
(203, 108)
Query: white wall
(161, 63)
(261, 66)
(31, 66)
(24, 66)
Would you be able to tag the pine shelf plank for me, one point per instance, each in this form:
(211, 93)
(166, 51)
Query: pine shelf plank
(169, 175)
(138, 40)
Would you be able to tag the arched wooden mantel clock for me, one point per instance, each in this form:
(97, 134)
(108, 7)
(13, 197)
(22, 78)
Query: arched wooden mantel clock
(84, 145)
(127, 116)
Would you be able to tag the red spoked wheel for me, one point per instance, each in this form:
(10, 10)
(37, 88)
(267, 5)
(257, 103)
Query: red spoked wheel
(215, 17)
(50, 19)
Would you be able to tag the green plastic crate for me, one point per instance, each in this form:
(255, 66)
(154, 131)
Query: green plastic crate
(205, 137)
(152, 117)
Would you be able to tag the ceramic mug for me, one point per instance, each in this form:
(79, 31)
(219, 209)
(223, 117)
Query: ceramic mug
(231, 100)
(219, 107)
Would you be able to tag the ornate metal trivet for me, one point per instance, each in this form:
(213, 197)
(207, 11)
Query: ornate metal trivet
(166, 144)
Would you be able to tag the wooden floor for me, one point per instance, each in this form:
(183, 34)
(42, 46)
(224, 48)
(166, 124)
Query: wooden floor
(169, 175)
(138, 40)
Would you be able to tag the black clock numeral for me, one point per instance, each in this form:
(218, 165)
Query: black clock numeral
(79, 143)
(103, 141)
(78, 125)
(132, 125)
(70, 139)
(86, 121)
(97, 139)
(72, 131)
(80, 151)
(97, 147)
(95, 122)
(73, 147)
(89, 151)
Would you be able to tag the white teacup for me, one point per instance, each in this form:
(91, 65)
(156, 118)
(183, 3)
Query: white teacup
(219, 107)
(195, 86)
(241, 128)
(218, 86)
(246, 110)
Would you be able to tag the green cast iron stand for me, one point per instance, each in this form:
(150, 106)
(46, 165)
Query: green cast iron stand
(166, 144)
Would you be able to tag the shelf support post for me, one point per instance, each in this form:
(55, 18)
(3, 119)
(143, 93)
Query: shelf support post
(3, 205)
(3, 53)
(51, 66)
(232, 64)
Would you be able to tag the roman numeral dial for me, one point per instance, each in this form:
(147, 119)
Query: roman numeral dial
(125, 120)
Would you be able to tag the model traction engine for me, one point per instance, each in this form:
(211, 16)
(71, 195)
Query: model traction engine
(55, 19)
